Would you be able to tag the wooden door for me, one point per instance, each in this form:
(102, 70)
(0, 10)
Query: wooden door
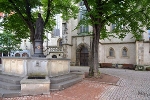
(84, 57)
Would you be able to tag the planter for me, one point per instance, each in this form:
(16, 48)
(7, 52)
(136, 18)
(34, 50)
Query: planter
(34, 85)
(105, 65)
(147, 68)
(140, 68)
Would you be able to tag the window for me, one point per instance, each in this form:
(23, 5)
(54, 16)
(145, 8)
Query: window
(5, 54)
(54, 56)
(60, 43)
(57, 28)
(17, 55)
(118, 25)
(83, 28)
(111, 52)
(124, 52)
(56, 32)
(25, 55)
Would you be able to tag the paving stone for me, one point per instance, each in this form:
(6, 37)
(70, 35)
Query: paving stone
(133, 85)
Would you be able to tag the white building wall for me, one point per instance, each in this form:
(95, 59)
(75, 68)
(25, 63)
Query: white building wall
(73, 49)
(146, 53)
(145, 35)
(128, 38)
(73, 40)
(69, 31)
(101, 53)
(74, 23)
(85, 39)
(117, 59)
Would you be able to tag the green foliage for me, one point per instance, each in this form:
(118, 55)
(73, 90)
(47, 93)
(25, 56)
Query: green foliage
(17, 27)
(9, 42)
(128, 16)
(22, 21)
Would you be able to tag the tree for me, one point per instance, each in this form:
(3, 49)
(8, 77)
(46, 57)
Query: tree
(21, 15)
(9, 42)
(128, 16)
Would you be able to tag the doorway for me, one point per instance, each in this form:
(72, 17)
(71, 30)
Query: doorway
(84, 55)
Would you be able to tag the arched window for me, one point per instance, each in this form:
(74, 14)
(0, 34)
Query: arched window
(124, 52)
(59, 42)
(82, 11)
(54, 56)
(25, 55)
(111, 52)
(17, 55)
(5, 54)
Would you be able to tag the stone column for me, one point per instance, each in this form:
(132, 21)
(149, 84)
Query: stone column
(139, 52)
(65, 40)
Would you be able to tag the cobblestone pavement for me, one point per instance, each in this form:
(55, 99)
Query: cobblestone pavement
(133, 85)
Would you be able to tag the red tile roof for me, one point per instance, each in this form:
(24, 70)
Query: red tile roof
(1, 14)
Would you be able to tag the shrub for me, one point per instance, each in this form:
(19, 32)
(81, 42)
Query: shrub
(140, 67)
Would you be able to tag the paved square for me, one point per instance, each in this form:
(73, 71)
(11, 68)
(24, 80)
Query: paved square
(133, 85)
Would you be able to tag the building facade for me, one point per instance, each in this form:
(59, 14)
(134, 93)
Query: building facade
(65, 42)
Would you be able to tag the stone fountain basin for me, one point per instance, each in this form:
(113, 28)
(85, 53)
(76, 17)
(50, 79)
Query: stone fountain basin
(35, 85)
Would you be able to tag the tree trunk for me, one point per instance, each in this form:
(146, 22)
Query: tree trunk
(94, 52)
(32, 32)
(91, 70)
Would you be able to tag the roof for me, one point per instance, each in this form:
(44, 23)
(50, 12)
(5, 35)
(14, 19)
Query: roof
(1, 14)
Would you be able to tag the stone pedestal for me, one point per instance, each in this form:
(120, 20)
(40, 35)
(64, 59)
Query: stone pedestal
(35, 86)
(38, 49)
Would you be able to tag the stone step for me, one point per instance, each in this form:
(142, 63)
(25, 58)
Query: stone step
(65, 84)
(79, 73)
(9, 86)
(10, 79)
(62, 78)
(9, 93)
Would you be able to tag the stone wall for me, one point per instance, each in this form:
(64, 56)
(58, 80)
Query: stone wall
(35, 66)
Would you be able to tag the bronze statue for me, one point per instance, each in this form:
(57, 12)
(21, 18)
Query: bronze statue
(39, 28)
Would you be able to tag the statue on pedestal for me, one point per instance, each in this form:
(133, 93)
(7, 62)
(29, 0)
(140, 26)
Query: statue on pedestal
(38, 36)
(39, 28)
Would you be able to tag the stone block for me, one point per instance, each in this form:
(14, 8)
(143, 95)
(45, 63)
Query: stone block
(35, 86)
